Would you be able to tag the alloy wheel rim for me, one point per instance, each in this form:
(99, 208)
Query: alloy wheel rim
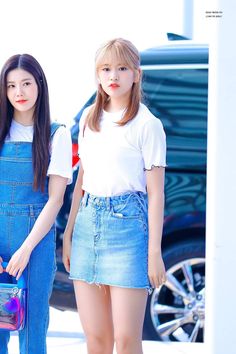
(178, 307)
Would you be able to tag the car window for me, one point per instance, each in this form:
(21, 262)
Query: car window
(179, 98)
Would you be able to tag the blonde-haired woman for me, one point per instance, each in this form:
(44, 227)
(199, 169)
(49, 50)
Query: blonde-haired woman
(112, 242)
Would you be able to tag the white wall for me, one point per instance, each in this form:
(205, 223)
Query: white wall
(221, 182)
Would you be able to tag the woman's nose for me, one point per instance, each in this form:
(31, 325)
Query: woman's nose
(114, 76)
(18, 91)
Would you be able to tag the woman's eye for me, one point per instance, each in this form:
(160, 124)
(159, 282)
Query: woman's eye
(10, 86)
(123, 68)
(105, 69)
(27, 83)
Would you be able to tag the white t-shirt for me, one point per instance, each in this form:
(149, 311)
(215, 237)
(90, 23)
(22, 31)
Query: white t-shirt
(61, 150)
(115, 158)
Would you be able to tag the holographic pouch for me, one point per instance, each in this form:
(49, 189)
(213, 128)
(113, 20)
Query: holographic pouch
(12, 303)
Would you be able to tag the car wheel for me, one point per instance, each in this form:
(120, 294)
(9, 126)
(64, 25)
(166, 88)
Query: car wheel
(176, 310)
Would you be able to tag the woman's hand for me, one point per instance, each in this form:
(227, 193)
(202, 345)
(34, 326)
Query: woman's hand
(66, 252)
(156, 270)
(19, 261)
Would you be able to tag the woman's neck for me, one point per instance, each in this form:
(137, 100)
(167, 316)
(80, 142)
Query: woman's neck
(113, 105)
(24, 118)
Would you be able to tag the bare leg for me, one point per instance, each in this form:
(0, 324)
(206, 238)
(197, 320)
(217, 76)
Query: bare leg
(94, 306)
(128, 309)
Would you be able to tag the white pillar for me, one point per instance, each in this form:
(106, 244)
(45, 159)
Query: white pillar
(221, 182)
(188, 18)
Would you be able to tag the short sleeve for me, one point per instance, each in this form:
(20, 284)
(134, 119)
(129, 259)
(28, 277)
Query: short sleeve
(153, 144)
(61, 154)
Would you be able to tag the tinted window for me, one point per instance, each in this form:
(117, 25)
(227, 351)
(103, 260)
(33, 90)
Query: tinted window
(179, 98)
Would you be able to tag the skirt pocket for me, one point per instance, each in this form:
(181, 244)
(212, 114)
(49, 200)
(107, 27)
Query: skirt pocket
(126, 210)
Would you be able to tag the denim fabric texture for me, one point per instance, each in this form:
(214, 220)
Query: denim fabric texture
(110, 241)
(19, 208)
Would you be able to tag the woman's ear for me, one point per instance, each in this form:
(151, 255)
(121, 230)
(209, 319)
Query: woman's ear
(137, 75)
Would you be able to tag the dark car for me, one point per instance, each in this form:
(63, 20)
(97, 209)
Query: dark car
(175, 86)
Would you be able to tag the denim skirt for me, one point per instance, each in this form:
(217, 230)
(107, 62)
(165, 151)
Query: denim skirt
(110, 241)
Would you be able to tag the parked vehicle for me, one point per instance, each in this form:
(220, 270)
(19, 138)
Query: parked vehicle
(175, 86)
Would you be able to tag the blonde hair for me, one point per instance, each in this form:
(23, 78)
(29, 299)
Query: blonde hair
(125, 52)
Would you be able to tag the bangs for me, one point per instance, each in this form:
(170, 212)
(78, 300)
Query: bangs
(114, 53)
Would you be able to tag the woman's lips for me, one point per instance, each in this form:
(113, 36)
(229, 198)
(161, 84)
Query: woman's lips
(21, 101)
(114, 85)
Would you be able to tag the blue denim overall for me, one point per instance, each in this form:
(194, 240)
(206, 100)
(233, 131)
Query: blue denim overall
(19, 208)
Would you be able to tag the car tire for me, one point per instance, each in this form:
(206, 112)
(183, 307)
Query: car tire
(176, 310)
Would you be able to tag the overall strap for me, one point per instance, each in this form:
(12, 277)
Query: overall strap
(54, 127)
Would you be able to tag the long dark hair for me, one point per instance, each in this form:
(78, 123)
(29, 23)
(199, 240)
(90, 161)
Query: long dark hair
(41, 118)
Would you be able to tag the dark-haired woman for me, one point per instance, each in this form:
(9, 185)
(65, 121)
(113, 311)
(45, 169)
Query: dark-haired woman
(35, 167)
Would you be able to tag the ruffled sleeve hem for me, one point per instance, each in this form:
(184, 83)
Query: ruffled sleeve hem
(154, 166)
